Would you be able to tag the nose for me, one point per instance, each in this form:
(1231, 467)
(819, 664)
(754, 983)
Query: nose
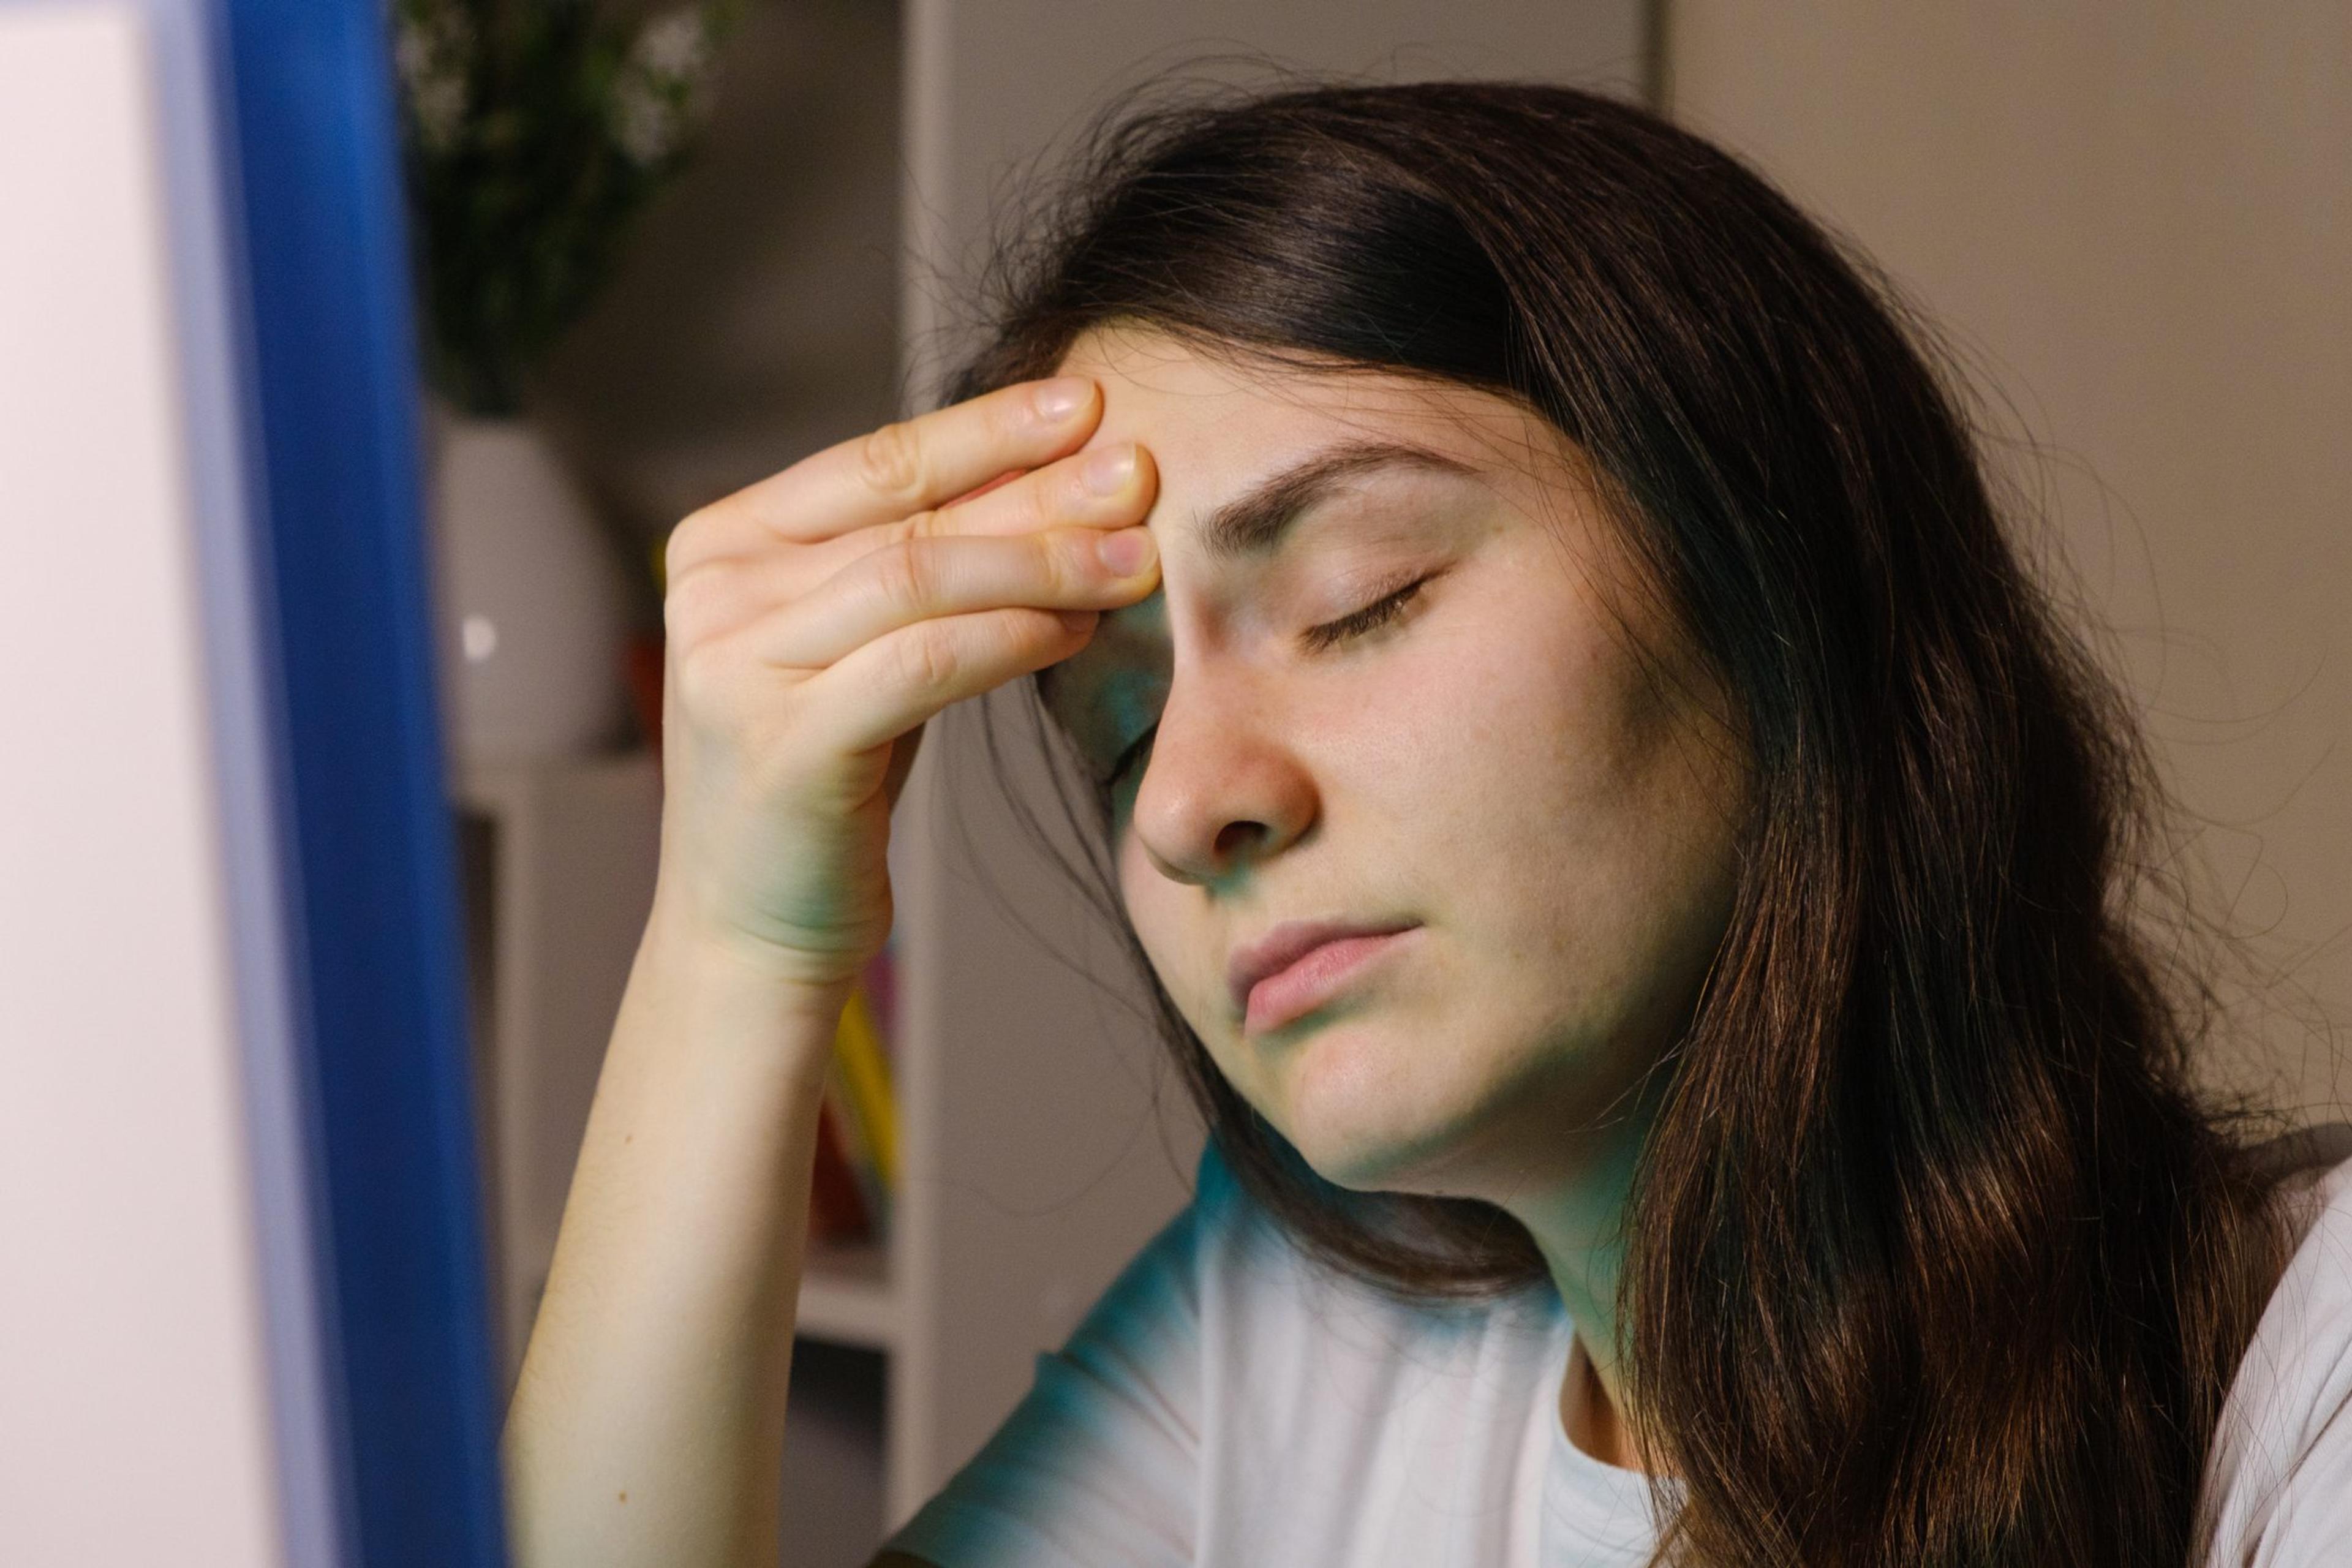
(1222, 788)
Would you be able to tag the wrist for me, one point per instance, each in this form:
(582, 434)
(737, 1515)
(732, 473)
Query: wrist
(724, 984)
(730, 955)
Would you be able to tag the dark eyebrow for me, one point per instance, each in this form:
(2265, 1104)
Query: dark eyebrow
(1252, 525)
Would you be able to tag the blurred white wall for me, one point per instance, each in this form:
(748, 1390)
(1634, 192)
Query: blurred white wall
(2136, 221)
(753, 317)
(999, 91)
(135, 1418)
(759, 311)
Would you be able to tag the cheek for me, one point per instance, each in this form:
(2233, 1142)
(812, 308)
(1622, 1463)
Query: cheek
(1572, 829)
(1520, 788)
(1167, 918)
(1485, 747)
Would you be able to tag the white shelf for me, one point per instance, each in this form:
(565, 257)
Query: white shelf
(1017, 1208)
(558, 876)
(564, 882)
(846, 1298)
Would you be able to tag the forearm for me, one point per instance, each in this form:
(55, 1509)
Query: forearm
(648, 1427)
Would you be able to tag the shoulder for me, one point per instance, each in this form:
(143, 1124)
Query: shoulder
(1286, 1325)
(1248, 1331)
(1185, 1283)
(2280, 1478)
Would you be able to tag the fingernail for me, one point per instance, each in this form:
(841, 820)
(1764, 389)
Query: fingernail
(1057, 399)
(1107, 471)
(1127, 551)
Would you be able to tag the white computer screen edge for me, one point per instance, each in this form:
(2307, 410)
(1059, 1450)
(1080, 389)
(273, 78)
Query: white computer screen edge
(162, 1370)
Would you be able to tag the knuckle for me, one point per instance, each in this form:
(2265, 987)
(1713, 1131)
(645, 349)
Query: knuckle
(909, 577)
(681, 626)
(694, 601)
(1014, 426)
(697, 523)
(928, 658)
(1071, 563)
(890, 461)
(709, 526)
(686, 546)
(1024, 629)
(701, 676)
(1045, 503)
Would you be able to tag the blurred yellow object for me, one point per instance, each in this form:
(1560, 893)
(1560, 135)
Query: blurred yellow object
(865, 1072)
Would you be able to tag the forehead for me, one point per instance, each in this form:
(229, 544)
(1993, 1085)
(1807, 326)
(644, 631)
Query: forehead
(1216, 424)
(1221, 429)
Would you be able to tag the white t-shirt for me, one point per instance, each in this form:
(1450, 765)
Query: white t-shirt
(1228, 1402)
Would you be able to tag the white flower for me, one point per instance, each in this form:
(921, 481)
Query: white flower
(433, 55)
(657, 95)
(413, 53)
(674, 44)
(439, 105)
(645, 121)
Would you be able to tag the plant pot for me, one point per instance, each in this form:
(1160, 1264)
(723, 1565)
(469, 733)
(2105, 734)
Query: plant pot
(533, 612)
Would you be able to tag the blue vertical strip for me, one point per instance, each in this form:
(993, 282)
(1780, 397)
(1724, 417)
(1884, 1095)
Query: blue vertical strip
(379, 975)
(194, 142)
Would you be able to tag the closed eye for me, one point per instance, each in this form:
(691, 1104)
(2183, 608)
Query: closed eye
(1372, 616)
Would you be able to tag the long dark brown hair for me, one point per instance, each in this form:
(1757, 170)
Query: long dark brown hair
(1934, 1256)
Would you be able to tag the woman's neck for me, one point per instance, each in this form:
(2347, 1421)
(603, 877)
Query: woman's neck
(1590, 1414)
(1578, 1222)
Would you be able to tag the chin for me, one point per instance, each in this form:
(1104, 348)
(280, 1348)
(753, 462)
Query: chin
(1388, 1104)
(1355, 1119)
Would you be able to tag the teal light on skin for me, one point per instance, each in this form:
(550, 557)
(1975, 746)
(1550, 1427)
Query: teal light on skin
(1522, 759)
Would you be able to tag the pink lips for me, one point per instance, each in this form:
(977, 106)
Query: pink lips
(1301, 964)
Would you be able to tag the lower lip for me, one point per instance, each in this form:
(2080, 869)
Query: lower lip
(1314, 978)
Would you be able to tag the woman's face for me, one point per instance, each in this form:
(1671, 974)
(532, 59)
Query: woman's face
(1485, 758)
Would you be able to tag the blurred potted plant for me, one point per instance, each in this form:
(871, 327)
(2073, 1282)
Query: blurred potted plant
(535, 131)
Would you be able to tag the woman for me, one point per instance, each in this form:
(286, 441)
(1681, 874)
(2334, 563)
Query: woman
(1639, 881)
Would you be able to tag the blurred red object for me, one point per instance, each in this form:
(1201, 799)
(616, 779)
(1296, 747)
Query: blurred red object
(836, 1208)
(642, 661)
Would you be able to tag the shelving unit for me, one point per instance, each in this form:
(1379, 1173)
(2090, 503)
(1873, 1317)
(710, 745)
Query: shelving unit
(559, 865)
(558, 869)
(560, 862)
(846, 1298)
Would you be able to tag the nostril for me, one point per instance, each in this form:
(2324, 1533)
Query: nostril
(1235, 838)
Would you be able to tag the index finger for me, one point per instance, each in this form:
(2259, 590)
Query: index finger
(919, 464)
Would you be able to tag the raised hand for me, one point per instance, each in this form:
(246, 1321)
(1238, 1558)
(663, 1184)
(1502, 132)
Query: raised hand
(818, 618)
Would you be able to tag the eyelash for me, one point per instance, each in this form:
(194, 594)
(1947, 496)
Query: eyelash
(1372, 616)
(1377, 614)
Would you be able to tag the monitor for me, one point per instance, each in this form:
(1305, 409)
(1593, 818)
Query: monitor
(242, 1308)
